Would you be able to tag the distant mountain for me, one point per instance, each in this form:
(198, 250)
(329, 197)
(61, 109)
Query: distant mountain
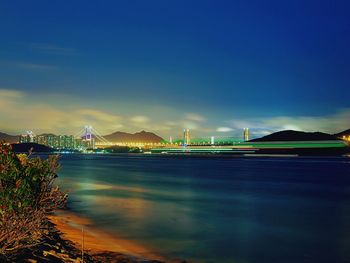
(290, 135)
(8, 138)
(143, 136)
(47, 134)
(25, 147)
(343, 133)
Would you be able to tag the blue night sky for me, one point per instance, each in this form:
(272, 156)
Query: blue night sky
(213, 66)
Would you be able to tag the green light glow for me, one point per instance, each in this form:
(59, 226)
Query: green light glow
(301, 144)
(246, 147)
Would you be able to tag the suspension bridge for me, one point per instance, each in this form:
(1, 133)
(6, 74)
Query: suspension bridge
(92, 137)
(89, 137)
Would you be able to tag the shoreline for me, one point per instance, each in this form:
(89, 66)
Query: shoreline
(97, 241)
(268, 154)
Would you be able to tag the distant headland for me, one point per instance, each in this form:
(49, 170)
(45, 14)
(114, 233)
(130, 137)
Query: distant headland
(281, 142)
(291, 135)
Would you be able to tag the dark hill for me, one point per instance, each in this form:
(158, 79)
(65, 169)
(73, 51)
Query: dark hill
(25, 148)
(143, 136)
(47, 134)
(8, 138)
(290, 135)
(343, 133)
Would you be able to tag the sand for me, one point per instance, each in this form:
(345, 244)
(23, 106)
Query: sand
(95, 240)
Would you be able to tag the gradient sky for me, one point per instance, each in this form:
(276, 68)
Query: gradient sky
(213, 66)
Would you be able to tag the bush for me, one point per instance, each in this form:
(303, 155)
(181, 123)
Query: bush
(27, 197)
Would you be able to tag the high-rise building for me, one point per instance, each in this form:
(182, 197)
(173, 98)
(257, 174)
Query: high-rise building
(23, 138)
(55, 141)
(66, 142)
(80, 144)
(27, 138)
(212, 140)
(48, 139)
(186, 137)
(246, 134)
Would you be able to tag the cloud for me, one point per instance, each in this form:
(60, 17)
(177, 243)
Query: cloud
(116, 127)
(240, 124)
(140, 119)
(33, 66)
(53, 49)
(331, 123)
(6, 93)
(224, 129)
(7, 99)
(170, 123)
(94, 114)
(194, 117)
(192, 125)
(20, 112)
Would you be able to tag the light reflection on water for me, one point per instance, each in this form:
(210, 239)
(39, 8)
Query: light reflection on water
(218, 210)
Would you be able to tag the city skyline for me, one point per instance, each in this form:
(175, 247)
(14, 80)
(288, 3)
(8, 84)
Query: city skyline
(214, 68)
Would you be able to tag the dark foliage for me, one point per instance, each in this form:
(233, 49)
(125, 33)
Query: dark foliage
(27, 196)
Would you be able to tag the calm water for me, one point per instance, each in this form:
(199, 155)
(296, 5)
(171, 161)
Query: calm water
(218, 209)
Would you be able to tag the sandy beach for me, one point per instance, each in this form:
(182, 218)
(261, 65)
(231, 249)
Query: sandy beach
(83, 234)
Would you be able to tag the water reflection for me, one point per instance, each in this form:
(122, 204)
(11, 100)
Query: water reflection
(219, 210)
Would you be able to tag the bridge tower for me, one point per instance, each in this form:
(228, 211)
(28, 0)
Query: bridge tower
(88, 132)
(89, 137)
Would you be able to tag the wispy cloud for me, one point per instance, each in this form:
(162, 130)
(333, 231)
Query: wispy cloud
(332, 123)
(224, 129)
(20, 111)
(94, 114)
(7, 93)
(26, 112)
(33, 66)
(53, 49)
(140, 119)
(194, 117)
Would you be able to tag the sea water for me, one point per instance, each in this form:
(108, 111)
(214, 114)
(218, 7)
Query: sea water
(217, 209)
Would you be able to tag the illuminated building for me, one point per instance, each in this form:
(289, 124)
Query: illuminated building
(85, 140)
(81, 144)
(186, 137)
(78, 143)
(51, 140)
(29, 137)
(66, 142)
(346, 138)
(246, 134)
(212, 140)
